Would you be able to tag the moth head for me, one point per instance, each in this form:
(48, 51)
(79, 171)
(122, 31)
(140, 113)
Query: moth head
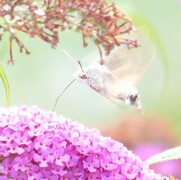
(80, 75)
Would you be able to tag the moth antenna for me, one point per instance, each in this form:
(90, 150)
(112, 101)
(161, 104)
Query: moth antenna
(70, 57)
(61, 94)
(77, 63)
(80, 65)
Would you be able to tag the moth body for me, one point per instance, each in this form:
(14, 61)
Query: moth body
(102, 80)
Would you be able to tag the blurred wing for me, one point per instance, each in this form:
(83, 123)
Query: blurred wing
(129, 64)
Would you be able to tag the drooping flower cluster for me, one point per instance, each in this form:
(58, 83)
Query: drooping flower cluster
(98, 20)
(35, 144)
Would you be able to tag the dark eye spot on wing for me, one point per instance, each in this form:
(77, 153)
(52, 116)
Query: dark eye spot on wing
(133, 98)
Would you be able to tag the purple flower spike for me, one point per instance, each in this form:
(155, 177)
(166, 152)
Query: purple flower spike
(35, 144)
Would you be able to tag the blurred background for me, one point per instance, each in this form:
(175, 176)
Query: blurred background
(38, 78)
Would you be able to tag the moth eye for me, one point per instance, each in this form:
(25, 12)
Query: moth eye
(133, 98)
(83, 75)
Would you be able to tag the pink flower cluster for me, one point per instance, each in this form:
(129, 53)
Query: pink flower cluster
(36, 144)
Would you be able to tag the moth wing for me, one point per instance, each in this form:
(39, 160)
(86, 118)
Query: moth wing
(129, 64)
